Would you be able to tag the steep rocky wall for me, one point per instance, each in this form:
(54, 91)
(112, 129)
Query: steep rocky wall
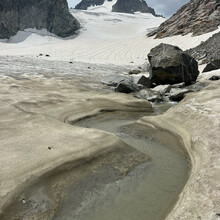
(131, 6)
(84, 4)
(53, 15)
(197, 17)
(207, 51)
(123, 6)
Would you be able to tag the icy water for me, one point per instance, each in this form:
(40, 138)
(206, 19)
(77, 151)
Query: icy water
(146, 193)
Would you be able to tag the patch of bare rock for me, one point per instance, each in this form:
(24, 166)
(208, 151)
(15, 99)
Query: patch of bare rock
(207, 51)
(52, 15)
(197, 17)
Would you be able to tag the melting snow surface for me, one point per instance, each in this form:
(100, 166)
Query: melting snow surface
(105, 38)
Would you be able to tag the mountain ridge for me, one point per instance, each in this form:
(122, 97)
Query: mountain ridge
(197, 17)
(122, 6)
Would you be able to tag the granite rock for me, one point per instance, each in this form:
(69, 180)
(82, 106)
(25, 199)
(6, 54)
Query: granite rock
(52, 15)
(208, 50)
(170, 65)
(197, 17)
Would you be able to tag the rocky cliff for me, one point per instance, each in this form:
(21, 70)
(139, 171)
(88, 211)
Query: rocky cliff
(197, 17)
(52, 15)
(84, 4)
(131, 6)
(123, 6)
(207, 51)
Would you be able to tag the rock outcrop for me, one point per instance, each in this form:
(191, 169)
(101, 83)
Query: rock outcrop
(131, 6)
(214, 78)
(84, 4)
(207, 51)
(197, 17)
(170, 65)
(52, 15)
(214, 65)
(123, 6)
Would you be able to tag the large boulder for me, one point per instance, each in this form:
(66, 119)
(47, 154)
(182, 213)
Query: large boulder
(170, 65)
(52, 15)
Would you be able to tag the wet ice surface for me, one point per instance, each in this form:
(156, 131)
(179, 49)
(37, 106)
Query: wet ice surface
(141, 195)
(20, 66)
(147, 193)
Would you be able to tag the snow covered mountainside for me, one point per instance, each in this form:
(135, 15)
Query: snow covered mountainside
(110, 38)
(123, 6)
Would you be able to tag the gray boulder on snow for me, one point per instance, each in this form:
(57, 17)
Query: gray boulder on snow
(170, 65)
(52, 15)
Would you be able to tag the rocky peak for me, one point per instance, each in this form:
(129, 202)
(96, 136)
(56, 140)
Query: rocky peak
(85, 4)
(131, 6)
(123, 6)
(52, 15)
(197, 17)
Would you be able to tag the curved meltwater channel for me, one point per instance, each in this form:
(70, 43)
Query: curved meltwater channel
(146, 193)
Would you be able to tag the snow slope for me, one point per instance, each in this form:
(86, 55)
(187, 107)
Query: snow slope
(110, 38)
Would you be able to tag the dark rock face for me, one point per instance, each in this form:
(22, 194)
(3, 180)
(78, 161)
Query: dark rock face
(131, 6)
(53, 15)
(170, 65)
(197, 17)
(123, 6)
(207, 51)
(214, 65)
(214, 78)
(84, 4)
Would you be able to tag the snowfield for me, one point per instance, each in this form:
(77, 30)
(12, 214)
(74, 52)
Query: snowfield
(105, 38)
